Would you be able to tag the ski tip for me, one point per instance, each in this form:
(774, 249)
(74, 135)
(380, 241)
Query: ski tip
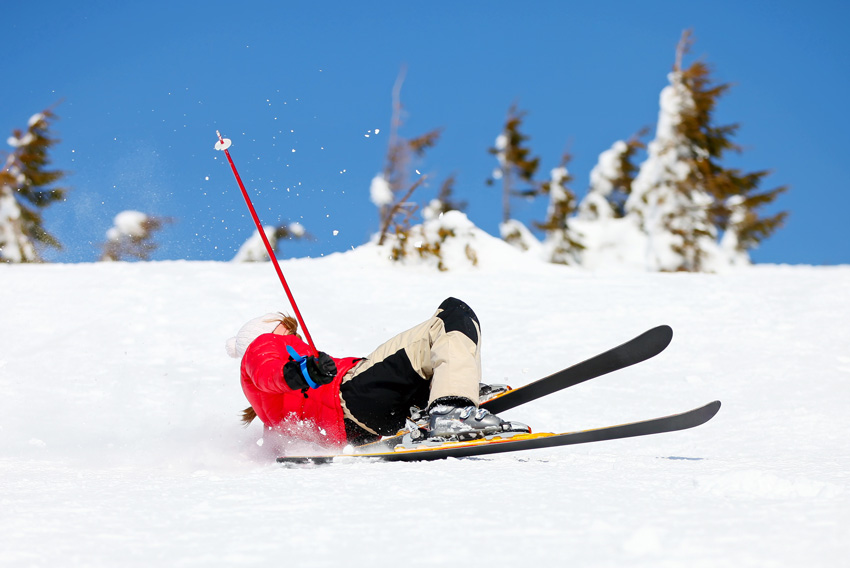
(710, 410)
(661, 335)
(666, 330)
(714, 405)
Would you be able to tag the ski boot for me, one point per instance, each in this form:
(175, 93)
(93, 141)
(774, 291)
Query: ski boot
(456, 420)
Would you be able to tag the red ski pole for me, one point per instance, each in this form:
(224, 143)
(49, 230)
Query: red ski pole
(224, 144)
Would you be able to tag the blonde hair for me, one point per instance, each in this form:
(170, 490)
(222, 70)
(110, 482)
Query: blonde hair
(291, 325)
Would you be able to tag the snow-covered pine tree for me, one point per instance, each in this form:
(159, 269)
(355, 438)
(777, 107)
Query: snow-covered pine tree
(736, 196)
(684, 198)
(516, 166)
(611, 181)
(254, 250)
(561, 244)
(131, 236)
(27, 187)
(671, 209)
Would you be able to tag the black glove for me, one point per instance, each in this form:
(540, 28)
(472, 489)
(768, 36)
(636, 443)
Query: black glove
(321, 370)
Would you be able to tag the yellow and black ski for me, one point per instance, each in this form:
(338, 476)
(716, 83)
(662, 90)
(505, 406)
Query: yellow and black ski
(513, 442)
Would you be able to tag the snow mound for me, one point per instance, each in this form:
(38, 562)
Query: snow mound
(451, 242)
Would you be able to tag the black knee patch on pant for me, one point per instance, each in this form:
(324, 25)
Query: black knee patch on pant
(457, 316)
(381, 396)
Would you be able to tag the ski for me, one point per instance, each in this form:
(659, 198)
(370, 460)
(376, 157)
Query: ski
(645, 346)
(502, 443)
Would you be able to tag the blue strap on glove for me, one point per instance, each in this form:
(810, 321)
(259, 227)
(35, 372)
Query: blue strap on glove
(302, 362)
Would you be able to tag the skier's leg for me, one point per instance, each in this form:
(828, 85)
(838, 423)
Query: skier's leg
(439, 358)
(455, 353)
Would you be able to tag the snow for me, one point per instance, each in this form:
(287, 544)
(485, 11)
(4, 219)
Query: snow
(14, 245)
(521, 237)
(10, 212)
(35, 119)
(254, 249)
(128, 224)
(608, 168)
(613, 245)
(24, 140)
(557, 192)
(120, 443)
(297, 229)
(380, 192)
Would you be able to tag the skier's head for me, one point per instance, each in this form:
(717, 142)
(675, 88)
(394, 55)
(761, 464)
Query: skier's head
(278, 323)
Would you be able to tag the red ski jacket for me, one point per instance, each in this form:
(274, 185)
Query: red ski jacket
(278, 405)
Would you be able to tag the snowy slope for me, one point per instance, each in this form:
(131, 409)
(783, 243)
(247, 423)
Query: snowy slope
(120, 443)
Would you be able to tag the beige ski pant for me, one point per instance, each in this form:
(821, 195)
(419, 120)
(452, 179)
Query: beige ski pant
(441, 357)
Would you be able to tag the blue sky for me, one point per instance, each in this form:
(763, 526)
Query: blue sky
(298, 86)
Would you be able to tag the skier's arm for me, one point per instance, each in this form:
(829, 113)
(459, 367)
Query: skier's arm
(266, 371)
(272, 369)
